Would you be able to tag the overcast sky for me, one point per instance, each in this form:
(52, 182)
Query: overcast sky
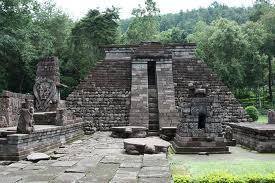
(78, 8)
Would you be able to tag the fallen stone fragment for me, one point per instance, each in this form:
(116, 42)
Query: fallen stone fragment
(37, 157)
(149, 145)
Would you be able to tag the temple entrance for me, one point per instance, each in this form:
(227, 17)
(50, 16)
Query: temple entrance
(202, 120)
(153, 98)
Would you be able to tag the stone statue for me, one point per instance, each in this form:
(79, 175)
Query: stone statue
(45, 93)
(228, 134)
(25, 123)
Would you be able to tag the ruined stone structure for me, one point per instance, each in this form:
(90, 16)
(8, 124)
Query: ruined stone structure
(47, 85)
(149, 85)
(10, 106)
(259, 137)
(53, 123)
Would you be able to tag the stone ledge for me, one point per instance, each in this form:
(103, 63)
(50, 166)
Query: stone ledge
(259, 137)
(18, 146)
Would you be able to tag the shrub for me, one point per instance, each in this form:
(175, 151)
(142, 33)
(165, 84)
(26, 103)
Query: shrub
(182, 179)
(252, 112)
(226, 178)
(220, 178)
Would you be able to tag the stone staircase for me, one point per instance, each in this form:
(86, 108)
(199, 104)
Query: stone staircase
(153, 110)
(153, 99)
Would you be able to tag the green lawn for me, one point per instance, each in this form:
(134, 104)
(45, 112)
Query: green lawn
(241, 163)
(262, 119)
(241, 167)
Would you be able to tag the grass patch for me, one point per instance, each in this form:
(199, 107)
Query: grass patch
(262, 119)
(239, 168)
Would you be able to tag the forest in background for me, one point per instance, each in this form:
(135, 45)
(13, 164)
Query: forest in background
(236, 42)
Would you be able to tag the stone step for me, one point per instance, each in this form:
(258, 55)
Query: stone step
(153, 133)
(153, 127)
(153, 105)
(153, 110)
(153, 116)
(153, 100)
(3, 140)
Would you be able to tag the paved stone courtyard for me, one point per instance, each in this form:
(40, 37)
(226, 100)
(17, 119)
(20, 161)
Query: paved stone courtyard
(98, 158)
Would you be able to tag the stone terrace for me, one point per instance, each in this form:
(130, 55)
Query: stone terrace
(98, 158)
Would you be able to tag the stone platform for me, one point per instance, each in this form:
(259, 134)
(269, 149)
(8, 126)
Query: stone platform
(92, 159)
(195, 145)
(149, 145)
(16, 147)
(259, 137)
(129, 132)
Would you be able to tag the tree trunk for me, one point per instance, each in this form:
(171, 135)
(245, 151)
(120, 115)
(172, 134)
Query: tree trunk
(270, 78)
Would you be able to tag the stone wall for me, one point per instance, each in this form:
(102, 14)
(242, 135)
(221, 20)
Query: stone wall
(168, 115)
(139, 113)
(259, 137)
(10, 106)
(103, 97)
(193, 70)
(17, 146)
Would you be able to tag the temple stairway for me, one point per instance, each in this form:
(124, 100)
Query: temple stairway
(152, 99)
(153, 110)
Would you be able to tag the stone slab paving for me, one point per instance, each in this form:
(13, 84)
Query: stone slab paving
(98, 158)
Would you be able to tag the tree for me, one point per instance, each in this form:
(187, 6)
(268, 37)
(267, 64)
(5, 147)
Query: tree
(174, 35)
(95, 29)
(28, 32)
(264, 12)
(233, 51)
(145, 25)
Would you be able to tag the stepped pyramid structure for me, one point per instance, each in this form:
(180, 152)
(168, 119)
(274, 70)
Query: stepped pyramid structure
(154, 86)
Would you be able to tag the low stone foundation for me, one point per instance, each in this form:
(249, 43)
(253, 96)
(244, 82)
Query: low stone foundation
(194, 145)
(17, 146)
(259, 137)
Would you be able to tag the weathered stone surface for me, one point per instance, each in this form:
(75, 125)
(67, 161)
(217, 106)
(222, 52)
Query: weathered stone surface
(151, 145)
(85, 163)
(64, 163)
(37, 157)
(154, 172)
(155, 180)
(68, 177)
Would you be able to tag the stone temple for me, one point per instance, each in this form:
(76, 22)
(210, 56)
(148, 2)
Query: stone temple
(158, 87)
(149, 85)
(148, 89)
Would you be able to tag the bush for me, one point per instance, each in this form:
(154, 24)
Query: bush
(182, 179)
(252, 112)
(226, 178)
